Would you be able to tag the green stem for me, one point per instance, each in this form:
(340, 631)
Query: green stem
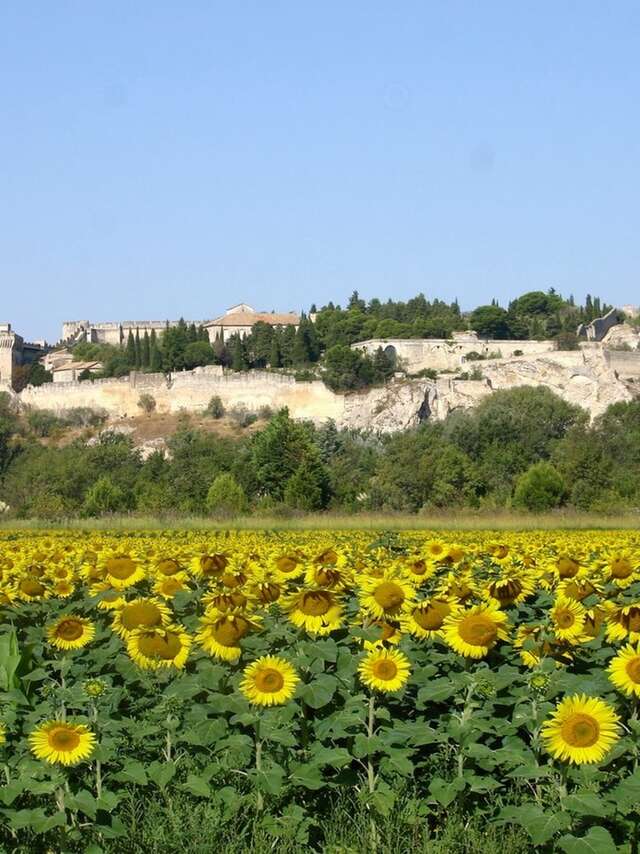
(371, 774)
(259, 797)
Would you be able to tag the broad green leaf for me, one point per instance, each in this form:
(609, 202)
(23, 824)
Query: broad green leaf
(444, 791)
(319, 691)
(197, 786)
(586, 803)
(307, 775)
(598, 840)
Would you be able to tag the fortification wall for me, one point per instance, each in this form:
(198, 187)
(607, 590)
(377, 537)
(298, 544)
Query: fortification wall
(191, 391)
(443, 354)
(114, 332)
(625, 364)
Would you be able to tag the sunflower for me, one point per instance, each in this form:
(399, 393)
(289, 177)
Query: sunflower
(581, 730)
(385, 597)
(71, 632)
(318, 612)
(624, 670)
(108, 598)
(384, 670)
(62, 742)
(474, 631)
(141, 613)
(512, 589)
(425, 619)
(621, 567)
(220, 634)
(208, 565)
(288, 566)
(319, 575)
(269, 681)
(153, 648)
(121, 570)
(568, 617)
(30, 589)
(169, 586)
(63, 589)
(436, 550)
(389, 634)
(623, 621)
(168, 566)
(567, 567)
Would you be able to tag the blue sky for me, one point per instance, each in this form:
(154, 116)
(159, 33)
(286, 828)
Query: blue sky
(165, 159)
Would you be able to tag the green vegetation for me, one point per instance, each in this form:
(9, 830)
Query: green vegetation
(523, 448)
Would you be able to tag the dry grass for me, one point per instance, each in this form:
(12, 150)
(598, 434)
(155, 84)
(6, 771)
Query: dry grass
(451, 521)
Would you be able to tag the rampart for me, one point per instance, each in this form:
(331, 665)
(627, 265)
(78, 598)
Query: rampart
(625, 364)
(444, 354)
(191, 391)
(114, 333)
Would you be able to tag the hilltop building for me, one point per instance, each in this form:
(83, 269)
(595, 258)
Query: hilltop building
(239, 319)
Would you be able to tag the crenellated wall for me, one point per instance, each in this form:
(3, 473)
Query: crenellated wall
(191, 391)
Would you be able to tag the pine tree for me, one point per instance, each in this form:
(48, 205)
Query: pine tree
(308, 488)
(145, 359)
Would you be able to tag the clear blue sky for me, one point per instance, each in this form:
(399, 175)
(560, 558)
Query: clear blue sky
(160, 159)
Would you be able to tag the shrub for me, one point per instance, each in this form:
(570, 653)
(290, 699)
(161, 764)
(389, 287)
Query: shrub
(426, 374)
(147, 403)
(225, 496)
(541, 487)
(567, 341)
(215, 408)
(518, 353)
(103, 497)
(43, 422)
(242, 417)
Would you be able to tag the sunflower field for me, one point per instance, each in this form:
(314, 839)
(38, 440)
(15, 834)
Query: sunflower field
(282, 676)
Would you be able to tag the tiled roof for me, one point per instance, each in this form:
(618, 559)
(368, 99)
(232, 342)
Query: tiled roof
(245, 318)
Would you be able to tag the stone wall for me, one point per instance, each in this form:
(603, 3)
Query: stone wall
(588, 378)
(444, 354)
(113, 333)
(191, 391)
(625, 364)
(598, 328)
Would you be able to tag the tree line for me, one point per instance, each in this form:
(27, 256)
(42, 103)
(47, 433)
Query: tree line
(320, 347)
(524, 447)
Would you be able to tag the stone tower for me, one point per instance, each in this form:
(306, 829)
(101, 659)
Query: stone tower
(10, 345)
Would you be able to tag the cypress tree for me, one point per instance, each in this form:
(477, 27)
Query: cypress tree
(238, 355)
(155, 356)
(275, 358)
(138, 346)
(131, 351)
(145, 360)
